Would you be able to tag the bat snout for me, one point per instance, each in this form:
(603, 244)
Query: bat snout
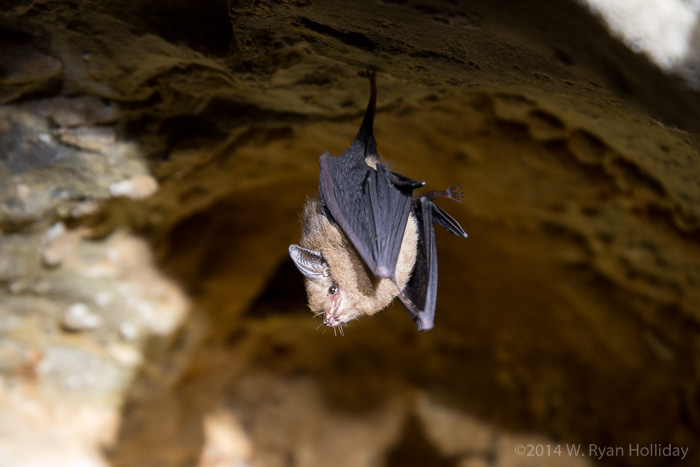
(331, 321)
(330, 314)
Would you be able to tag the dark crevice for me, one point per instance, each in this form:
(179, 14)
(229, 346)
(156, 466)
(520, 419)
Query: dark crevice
(415, 448)
(283, 294)
(351, 38)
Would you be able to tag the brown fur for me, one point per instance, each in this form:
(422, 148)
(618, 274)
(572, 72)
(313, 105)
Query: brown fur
(362, 293)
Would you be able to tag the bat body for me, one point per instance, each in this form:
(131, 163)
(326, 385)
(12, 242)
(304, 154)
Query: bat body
(366, 240)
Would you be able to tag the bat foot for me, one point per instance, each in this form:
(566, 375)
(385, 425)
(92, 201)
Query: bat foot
(454, 193)
(371, 74)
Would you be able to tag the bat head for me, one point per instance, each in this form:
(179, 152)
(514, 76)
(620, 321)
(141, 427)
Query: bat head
(326, 295)
(338, 283)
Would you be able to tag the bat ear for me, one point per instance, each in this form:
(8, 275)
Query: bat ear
(311, 263)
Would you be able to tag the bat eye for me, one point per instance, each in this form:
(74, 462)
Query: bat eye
(333, 289)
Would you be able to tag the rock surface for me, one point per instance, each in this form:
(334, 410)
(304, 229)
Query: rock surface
(154, 159)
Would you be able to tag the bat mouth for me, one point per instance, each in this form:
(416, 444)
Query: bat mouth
(332, 321)
(330, 316)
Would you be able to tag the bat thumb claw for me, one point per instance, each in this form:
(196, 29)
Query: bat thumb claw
(383, 272)
(423, 324)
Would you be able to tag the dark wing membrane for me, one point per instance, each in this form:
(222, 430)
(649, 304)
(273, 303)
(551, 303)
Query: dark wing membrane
(420, 293)
(390, 205)
(370, 206)
(446, 221)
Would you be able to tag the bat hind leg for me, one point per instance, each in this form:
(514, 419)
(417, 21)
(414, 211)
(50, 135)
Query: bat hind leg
(440, 217)
(454, 192)
(367, 73)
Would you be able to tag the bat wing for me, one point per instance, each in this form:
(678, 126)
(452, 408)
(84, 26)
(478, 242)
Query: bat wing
(370, 206)
(446, 221)
(420, 294)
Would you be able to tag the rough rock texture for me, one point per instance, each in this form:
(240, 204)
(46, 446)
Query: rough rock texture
(154, 159)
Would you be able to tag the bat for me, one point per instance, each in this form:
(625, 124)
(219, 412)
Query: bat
(366, 240)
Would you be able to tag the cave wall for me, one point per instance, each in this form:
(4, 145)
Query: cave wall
(154, 159)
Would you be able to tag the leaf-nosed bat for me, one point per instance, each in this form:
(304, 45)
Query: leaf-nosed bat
(366, 240)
